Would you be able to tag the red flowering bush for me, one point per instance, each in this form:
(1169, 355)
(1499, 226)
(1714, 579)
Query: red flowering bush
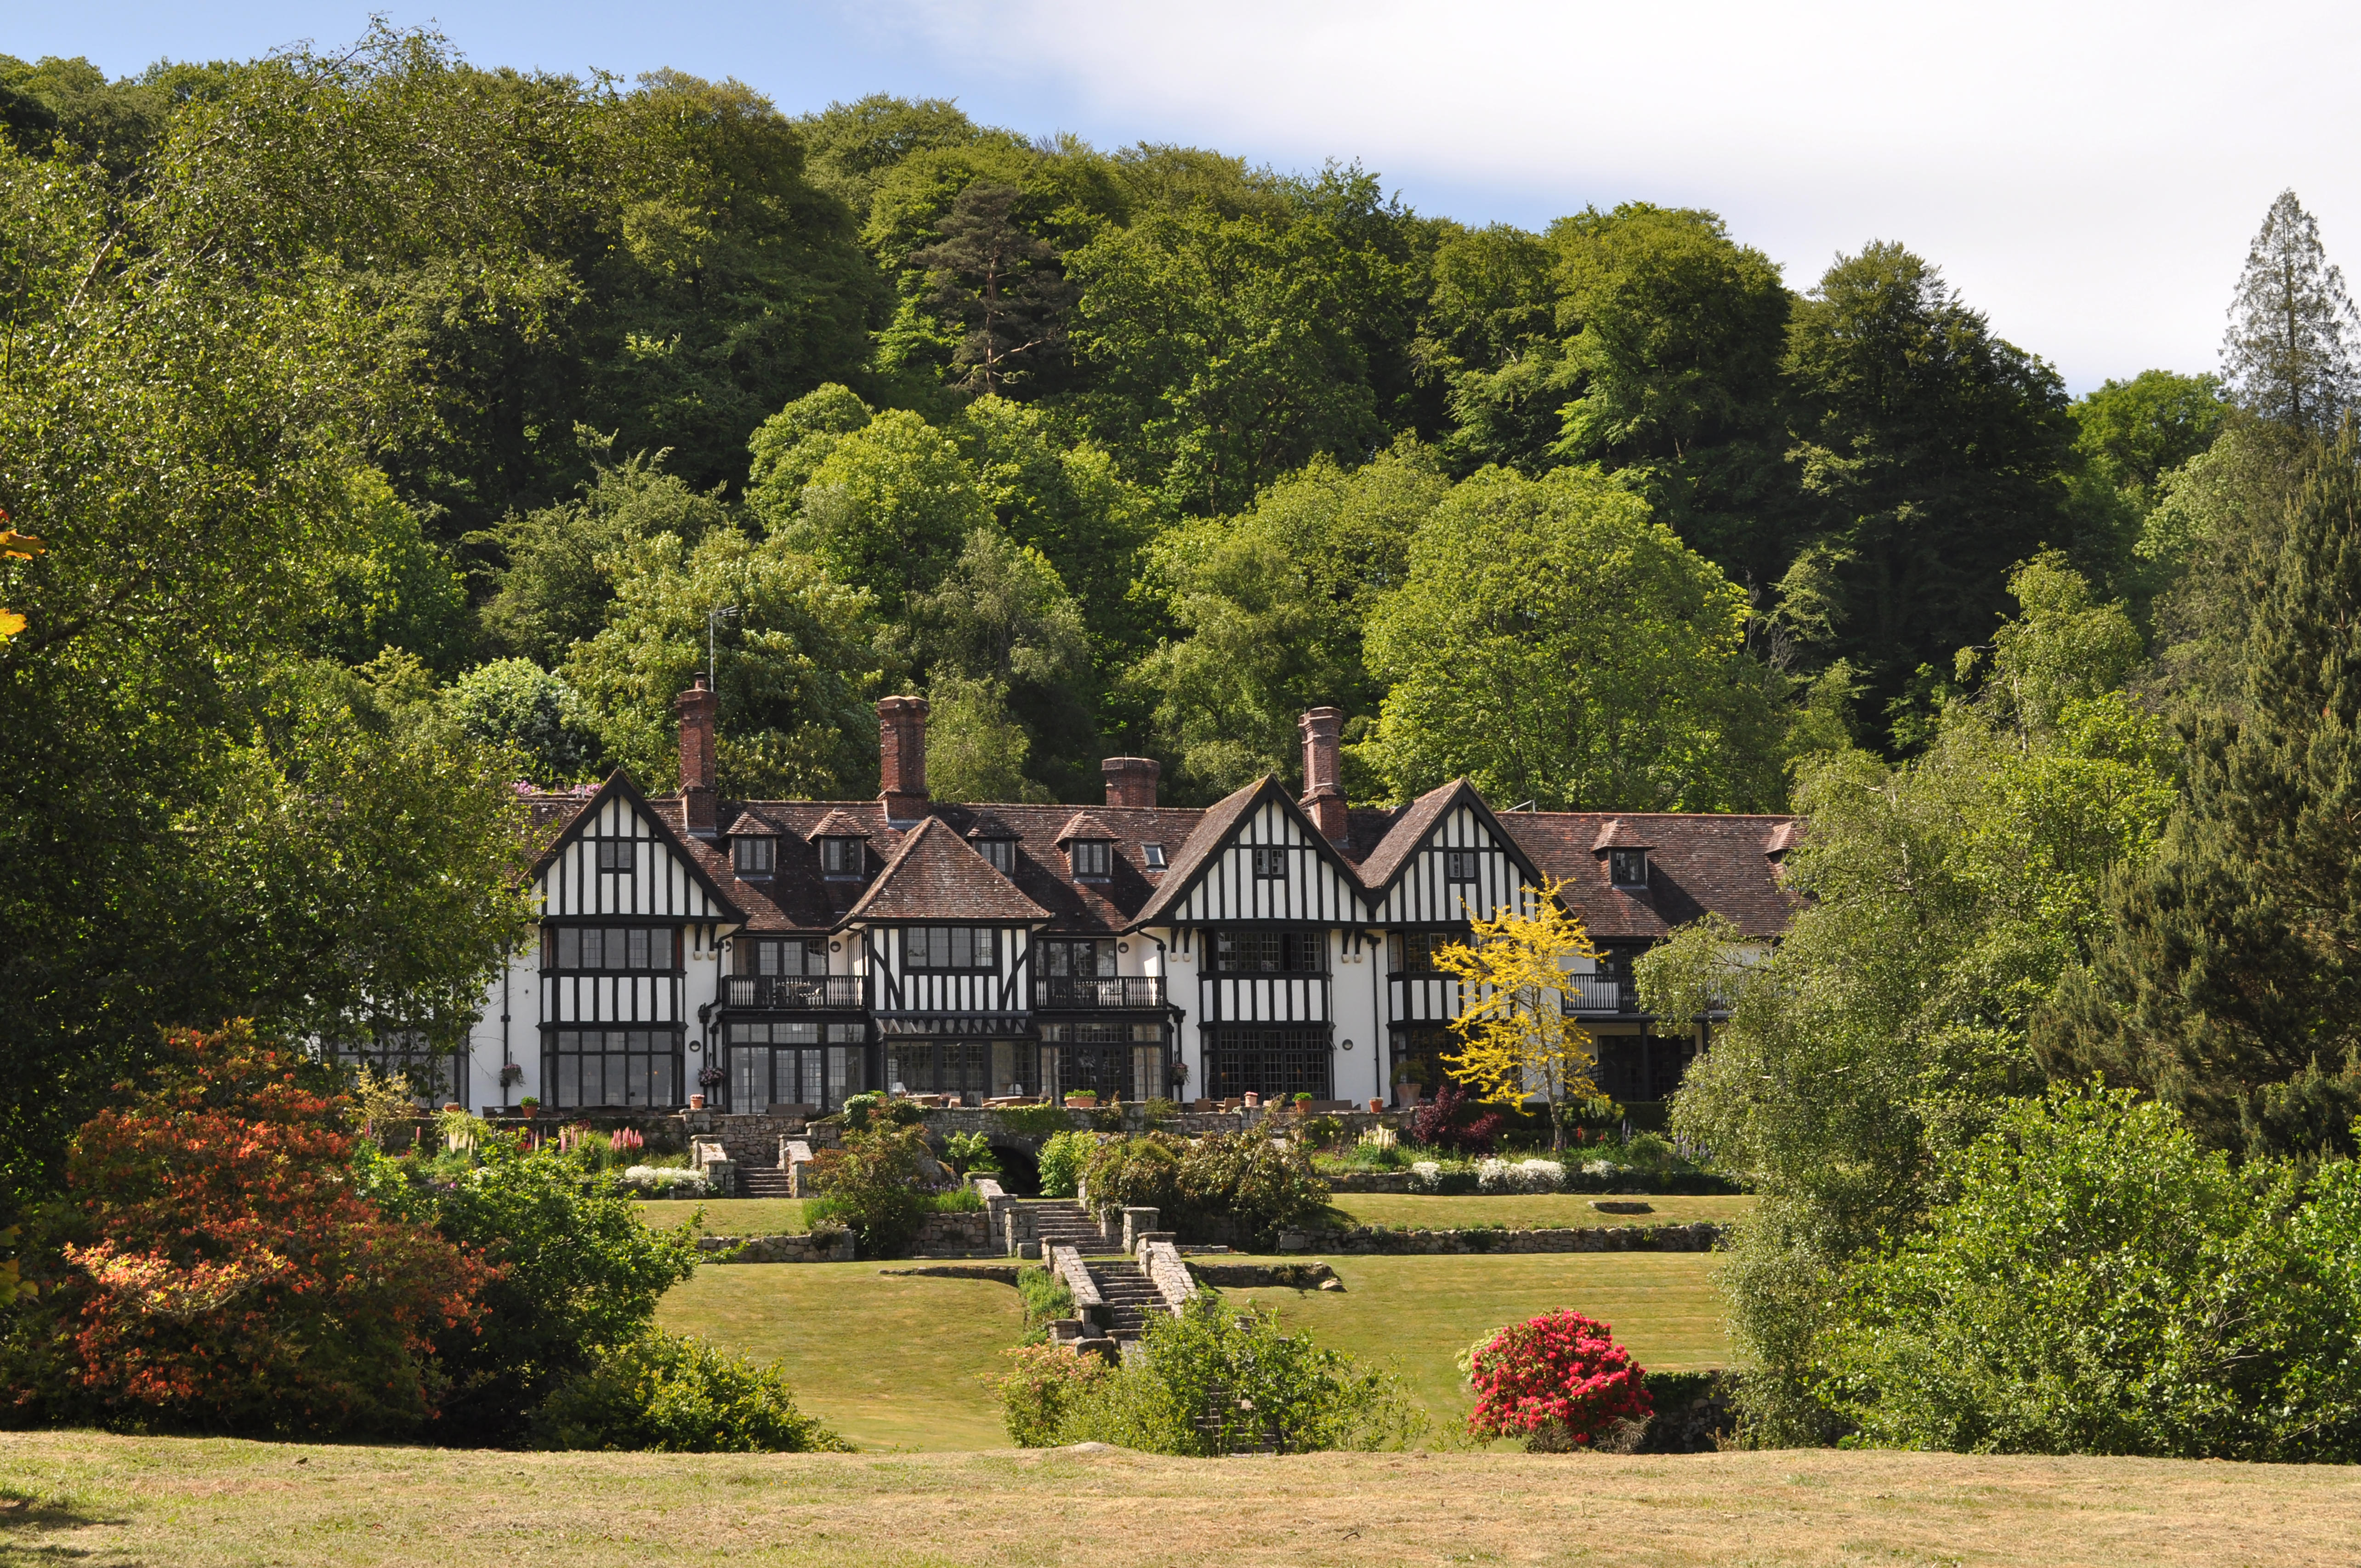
(1447, 1123)
(213, 1267)
(1559, 1381)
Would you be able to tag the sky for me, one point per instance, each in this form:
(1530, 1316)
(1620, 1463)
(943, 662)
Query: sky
(2089, 176)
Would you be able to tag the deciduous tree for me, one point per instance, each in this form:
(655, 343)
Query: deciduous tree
(1518, 1034)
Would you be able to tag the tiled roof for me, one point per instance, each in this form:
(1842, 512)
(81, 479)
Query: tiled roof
(1083, 824)
(1696, 864)
(839, 824)
(1212, 832)
(937, 875)
(1620, 833)
(752, 824)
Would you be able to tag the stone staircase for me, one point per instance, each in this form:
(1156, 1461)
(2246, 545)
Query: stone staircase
(763, 1182)
(1128, 1294)
(1067, 1224)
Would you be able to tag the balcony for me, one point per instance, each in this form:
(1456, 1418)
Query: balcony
(1602, 994)
(763, 992)
(1061, 993)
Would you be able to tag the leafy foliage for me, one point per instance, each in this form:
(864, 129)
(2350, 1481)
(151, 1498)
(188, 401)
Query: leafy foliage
(677, 1394)
(1516, 1037)
(872, 1185)
(213, 1266)
(1243, 1186)
(1045, 1386)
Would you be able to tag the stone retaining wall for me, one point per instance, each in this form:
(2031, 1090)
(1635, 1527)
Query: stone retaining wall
(820, 1247)
(1369, 1240)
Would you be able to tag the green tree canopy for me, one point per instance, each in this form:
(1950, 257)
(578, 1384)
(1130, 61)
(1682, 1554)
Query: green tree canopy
(1555, 643)
(2288, 355)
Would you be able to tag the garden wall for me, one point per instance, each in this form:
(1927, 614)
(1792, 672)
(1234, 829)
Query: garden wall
(1379, 1240)
(820, 1247)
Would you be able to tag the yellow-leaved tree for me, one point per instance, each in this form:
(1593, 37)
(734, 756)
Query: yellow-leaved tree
(1516, 1039)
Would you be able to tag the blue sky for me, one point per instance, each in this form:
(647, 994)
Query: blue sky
(2089, 175)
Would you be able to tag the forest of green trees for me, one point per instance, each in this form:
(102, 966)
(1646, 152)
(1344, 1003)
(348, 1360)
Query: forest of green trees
(379, 431)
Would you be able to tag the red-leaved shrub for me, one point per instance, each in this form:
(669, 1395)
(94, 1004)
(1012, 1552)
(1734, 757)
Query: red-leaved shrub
(1560, 1381)
(1446, 1123)
(213, 1267)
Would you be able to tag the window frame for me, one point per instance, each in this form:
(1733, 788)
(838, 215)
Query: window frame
(1269, 862)
(1617, 859)
(611, 850)
(1154, 855)
(1463, 864)
(1312, 941)
(558, 937)
(765, 850)
(1099, 851)
(1424, 939)
(990, 964)
(843, 857)
(999, 854)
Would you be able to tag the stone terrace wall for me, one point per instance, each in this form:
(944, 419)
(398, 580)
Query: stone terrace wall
(1363, 1240)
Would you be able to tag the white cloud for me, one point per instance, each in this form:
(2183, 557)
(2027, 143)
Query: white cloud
(2089, 175)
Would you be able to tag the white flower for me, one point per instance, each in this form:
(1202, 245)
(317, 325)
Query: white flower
(1426, 1172)
(1606, 1167)
(663, 1177)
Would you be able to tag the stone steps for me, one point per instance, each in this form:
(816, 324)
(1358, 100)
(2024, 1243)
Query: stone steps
(756, 1182)
(1129, 1295)
(1065, 1225)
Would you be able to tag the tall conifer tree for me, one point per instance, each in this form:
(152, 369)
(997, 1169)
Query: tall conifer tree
(2230, 985)
(2288, 352)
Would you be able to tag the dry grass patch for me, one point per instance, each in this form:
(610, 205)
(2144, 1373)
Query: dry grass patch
(107, 1502)
(728, 1216)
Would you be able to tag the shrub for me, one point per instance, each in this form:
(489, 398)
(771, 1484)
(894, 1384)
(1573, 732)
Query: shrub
(1559, 1381)
(213, 1266)
(1045, 1296)
(1524, 1176)
(1033, 1120)
(965, 1152)
(2098, 1284)
(577, 1272)
(676, 1394)
(1243, 1183)
(958, 1200)
(1324, 1132)
(1219, 1380)
(1448, 1122)
(871, 1186)
(1062, 1160)
(864, 1111)
(1143, 1172)
(668, 1180)
(1042, 1388)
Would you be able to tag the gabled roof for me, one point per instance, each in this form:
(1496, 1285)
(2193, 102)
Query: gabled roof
(1083, 824)
(937, 875)
(1617, 833)
(752, 824)
(1401, 843)
(1696, 863)
(1215, 830)
(987, 824)
(1783, 838)
(619, 786)
(838, 825)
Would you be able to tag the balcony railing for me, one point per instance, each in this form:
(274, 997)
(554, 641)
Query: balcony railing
(842, 991)
(1600, 993)
(1056, 994)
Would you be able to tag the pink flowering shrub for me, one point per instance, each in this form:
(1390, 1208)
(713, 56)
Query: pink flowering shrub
(1560, 1381)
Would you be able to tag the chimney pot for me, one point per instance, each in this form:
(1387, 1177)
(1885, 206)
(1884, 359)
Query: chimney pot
(1324, 788)
(902, 757)
(1131, 780)
(697, 706)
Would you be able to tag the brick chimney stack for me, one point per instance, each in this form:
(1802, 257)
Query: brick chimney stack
(902, 757)
(1131, 780)
(697, 706)
(1323, 789)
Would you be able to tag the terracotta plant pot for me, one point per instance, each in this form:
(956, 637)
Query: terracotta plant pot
(1253, 1099)
(1081, 1102)
(697, 1102)
(1377, 1107)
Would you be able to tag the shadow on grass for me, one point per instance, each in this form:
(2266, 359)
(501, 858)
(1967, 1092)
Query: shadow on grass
(27, 1517)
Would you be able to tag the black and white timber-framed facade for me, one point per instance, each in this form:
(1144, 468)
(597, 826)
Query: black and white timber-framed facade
(773, 954)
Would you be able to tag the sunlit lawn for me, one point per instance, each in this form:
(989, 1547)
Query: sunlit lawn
(731, 1216)
(895, 1361)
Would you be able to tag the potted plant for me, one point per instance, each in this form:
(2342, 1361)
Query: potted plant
(1082, 1100)
(530, 1106)
(1253, 1099)
(1304, 1103)
(1411, 1077)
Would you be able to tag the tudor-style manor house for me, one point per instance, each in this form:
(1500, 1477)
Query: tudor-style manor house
(790, 953)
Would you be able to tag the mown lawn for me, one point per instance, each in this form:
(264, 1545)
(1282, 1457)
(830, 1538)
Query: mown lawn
(1419, 1313)
(731, 1216)
(98, 1501)
(896, 1361)
(1522, 1211)
(888, 1361)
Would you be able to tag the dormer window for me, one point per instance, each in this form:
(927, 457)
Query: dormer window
(1154, 854)
(753, 856)
(1001, 852)
(1092, 858)
(616, 855)
(840, 857)
(1628, 868)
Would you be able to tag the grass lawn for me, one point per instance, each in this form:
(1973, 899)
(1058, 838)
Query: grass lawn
(115, 1502)
(1529, 1211)
(731, 1216)
(889, 1362)
(1421, 1312)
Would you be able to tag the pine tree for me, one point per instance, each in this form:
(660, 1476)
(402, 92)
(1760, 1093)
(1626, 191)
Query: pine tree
(2288, 352)
(1003, 283)
(2231, 982)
